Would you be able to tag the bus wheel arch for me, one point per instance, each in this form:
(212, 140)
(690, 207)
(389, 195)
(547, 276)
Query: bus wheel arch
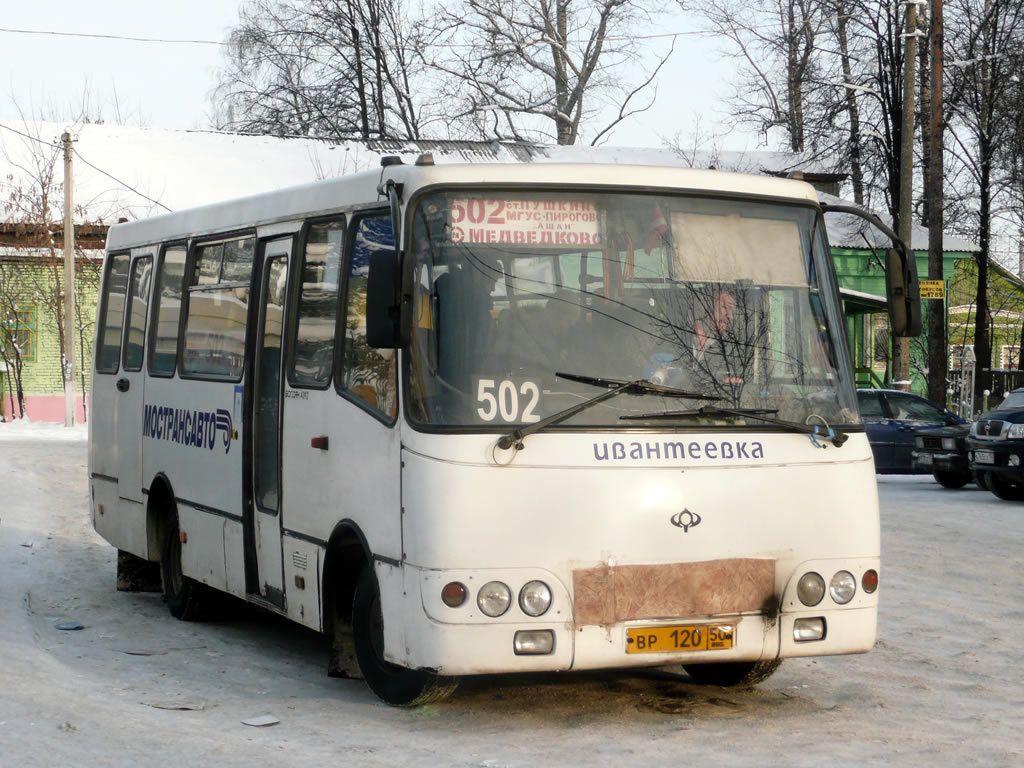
(396, 685)
(186, 598)
(347, 554)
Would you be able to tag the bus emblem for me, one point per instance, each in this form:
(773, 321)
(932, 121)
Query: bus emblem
(685, 520)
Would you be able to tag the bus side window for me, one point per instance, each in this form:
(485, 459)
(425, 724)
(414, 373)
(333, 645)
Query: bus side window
(313, 352)
(138, 304)
(170, 279)
(108, 349)
(366, 373)
(218, 299)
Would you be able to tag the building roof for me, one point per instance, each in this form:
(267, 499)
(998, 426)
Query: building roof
(129, 172)
(848, 231)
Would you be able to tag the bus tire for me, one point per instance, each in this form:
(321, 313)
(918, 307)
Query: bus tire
(187, 599)
(1007, 490)
(952, 480)
(395, 685)
(732, 673)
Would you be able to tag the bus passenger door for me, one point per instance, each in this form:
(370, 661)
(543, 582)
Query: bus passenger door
(129, 384)
(263, 521)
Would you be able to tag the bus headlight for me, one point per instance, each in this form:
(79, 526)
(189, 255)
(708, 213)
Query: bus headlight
(843, 587)
(535, 598)
(494, 598)
(810, 589)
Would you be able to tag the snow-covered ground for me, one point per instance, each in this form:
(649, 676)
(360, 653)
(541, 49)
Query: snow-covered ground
(134, 687)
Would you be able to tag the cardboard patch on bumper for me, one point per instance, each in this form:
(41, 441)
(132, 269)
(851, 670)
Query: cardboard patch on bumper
(610, 594)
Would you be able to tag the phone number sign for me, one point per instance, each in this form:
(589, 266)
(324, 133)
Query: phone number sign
(525, 222)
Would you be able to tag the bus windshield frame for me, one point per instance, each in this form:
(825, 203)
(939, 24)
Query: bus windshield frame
(730, 298)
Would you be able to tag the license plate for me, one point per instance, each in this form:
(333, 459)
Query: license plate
(984, 457)
(681, 637)
(924, 459)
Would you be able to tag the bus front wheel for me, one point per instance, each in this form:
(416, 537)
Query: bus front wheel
(732, 673)
(186, 598)
(396, 685)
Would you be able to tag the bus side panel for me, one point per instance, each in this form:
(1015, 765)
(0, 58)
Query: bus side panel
(192, 432)
(355, 478)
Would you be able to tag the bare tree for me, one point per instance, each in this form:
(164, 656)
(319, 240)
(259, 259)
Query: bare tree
(985, 41)
(326, 68)
(543, 68)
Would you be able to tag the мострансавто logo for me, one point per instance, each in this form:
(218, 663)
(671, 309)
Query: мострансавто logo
(186, 426)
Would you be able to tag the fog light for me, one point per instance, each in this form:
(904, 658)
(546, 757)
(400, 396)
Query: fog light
(949, 443)
(1014, 460)
(810, 589)
(534, 642)
(493, 598)
(808, 630)
(870, 581)
(453, 595)
(535, 598)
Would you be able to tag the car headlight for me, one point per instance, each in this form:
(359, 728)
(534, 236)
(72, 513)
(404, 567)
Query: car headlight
(535, 598)
(810, 589)
(974, 429)
(843, 587)
(919, 442)
(494, 598)
(1015, 432)
(949, 443)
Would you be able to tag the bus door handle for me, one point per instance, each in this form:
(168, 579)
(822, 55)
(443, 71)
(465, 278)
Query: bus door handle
(123, 385)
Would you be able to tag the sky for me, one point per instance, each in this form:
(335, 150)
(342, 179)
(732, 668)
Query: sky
(167, 85)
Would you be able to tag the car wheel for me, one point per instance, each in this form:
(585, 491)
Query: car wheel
(952, 479)
(1005, 489)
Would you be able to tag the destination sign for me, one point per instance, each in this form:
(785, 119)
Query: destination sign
(525, 222)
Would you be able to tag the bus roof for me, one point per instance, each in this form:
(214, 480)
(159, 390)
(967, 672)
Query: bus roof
(327, 196)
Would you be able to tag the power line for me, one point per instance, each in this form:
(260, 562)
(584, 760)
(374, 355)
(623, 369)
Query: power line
(123, 184)
(110, 37)
(230, 43)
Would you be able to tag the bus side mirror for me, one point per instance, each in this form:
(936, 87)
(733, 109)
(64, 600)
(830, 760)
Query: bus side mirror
(903, 293)
(383, 306)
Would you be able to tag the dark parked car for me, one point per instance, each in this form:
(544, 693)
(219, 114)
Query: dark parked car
(892, 420)
(943, 452)
(996, 447)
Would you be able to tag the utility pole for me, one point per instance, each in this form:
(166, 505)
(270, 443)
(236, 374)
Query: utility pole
(937, 343)
(902, 361)
(69, 287)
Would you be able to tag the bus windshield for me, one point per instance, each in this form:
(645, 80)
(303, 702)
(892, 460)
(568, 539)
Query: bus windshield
(731, 300)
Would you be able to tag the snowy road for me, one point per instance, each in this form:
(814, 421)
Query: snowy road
(944, 685)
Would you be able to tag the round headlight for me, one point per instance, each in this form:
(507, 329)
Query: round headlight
(493, 598)
(843, 587)
(810, 589)
(949, 443)
(535, 598)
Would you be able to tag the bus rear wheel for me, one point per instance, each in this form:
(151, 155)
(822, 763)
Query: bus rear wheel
(186, 598)
(398, 686)
(732, 673)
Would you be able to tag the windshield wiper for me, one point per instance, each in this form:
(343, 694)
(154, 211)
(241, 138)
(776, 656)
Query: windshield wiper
(813, 430)
(614, 387)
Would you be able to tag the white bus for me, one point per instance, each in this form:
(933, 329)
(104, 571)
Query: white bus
(482, 418)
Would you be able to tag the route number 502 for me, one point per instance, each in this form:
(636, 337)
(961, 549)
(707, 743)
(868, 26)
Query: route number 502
(508, 400)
